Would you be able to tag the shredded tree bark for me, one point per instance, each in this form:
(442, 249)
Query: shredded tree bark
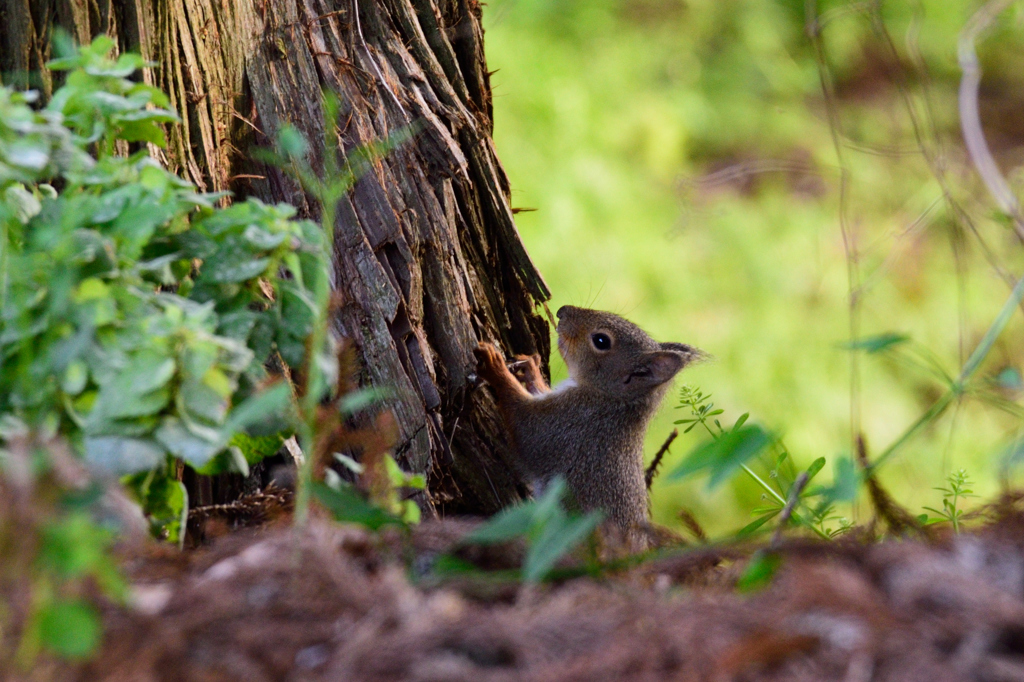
(427, 256)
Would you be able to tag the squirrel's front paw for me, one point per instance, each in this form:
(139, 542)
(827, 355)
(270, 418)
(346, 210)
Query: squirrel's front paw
(489, 361)
(530, 361)
(527, 371)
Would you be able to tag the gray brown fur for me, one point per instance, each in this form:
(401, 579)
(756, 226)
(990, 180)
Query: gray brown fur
(591, 429)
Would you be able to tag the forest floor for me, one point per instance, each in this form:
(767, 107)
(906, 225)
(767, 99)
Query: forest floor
(335, 602)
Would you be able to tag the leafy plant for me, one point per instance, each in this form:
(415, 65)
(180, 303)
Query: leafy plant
(73, 548)
(54, 553)
(729, 450)
(378, 474)
(550, 531)
(953, 493)
(138, 315)
(347, 504)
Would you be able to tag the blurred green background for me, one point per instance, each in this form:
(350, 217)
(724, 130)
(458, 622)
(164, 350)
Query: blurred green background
(684, 175)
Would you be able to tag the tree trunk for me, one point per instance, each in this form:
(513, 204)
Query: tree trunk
(427, 257)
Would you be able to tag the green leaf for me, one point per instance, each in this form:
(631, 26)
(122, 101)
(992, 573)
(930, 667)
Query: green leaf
(506, 525)
(73, 546)
(816, 466)
(181, 442)
(397, 477)
(229, 460)
(291, 142)
(411, 513)
(28, 155)
(257, 448)
(449, 565)
(147, 371)
(550, 531)
(142, 131)
(24, 203)
(237, 460)
(233, 265)
(76, 375)
(555, 541)
(845, 483)
(203, 402)
(550, 502)
(847, 480)
(876, 344)
(121, 456)
(347, 505)
(270, 402)
(359, 400)
(165, 502)
(262, 239)
(237, 324)
(112, 405)
(71, 629)
(756, 525)
(724, 455)
(759, 572)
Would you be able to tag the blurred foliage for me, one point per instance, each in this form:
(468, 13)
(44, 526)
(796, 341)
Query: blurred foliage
(684, 169)
(111, 333)
(57, 529)
(549, 530)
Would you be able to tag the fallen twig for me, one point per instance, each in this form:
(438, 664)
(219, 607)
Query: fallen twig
(787, 511)
(888, 509)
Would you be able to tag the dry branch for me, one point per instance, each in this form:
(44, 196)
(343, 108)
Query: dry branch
(970, 118)
(652, 470)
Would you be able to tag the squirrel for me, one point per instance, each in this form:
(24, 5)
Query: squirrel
(589, 428)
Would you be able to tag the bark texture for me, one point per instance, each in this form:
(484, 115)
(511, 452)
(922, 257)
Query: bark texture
(427, 257)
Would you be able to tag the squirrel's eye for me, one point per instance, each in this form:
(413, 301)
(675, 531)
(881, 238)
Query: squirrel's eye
(601, 341)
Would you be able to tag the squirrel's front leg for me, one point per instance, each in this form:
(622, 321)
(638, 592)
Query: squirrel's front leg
(492, 368)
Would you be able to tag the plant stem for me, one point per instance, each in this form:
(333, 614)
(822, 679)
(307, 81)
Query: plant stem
(934, 411)
(764, 484)
(781, 500)
(311, 400)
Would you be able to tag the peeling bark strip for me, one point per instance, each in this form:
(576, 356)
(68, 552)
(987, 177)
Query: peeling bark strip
(427, 256)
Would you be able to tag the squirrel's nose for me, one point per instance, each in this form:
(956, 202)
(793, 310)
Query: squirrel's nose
(563, 309)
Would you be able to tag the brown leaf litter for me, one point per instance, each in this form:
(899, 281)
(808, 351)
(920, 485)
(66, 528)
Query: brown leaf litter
(338, 603)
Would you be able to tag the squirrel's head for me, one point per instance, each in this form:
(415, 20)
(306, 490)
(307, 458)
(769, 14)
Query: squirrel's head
(607, 352)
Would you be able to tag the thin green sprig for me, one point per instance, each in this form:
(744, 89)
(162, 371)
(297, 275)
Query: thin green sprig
(702, 411)
(338, 176)
(952, 494)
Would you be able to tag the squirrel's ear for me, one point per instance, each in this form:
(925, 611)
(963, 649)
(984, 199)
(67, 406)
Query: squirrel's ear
(656, 367)
(688, 352)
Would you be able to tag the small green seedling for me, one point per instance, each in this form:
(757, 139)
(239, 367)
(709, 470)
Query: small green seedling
(952, 494)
